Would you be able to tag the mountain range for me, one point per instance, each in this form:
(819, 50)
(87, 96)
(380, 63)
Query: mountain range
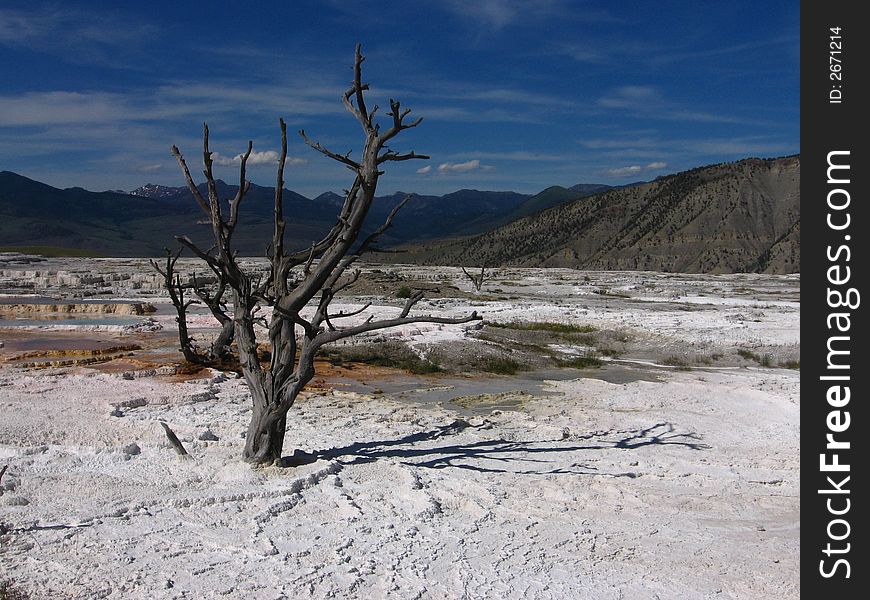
(144, 221)
(741, 216)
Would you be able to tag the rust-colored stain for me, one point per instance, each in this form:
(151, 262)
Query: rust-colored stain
(116, 353)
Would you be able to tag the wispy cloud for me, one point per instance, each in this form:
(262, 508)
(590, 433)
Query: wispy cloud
(495, 14)
(517, 155)
(636, 169)
(632, 97)
(619, 143)
(499, 14)
(52, 108)
(649, 102)
(598, 51)
(78, 36)
(706, 53)
(448, 168)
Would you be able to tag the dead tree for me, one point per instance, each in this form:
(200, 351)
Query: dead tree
(476, 280)
(219, 351)
(296, 279)
(175, 289)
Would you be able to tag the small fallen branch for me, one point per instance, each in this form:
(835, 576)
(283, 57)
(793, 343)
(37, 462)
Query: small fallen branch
(2, 471)
(176, 443)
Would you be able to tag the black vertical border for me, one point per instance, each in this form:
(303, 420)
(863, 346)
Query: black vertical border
(827, 127)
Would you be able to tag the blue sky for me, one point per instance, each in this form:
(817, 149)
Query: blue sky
(515, 94)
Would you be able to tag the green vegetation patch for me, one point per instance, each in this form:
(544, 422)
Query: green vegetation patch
(765, 360)
(544, 326)
(390, 355)
(580, 362)
(678, 362)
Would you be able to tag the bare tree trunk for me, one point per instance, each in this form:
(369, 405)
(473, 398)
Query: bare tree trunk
(264, 441)
(220, 348)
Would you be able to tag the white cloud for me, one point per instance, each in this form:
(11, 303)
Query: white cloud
(266, 157)
(463, 167)
(224, 161)
(656, 165)
(424, 170)
(149, 168)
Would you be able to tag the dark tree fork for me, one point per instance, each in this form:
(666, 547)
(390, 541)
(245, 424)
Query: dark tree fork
(294, 340)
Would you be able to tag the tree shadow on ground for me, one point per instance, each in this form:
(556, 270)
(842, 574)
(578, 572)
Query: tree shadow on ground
(496, 455)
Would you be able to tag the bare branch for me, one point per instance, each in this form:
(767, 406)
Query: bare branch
(190, 184)
(333, 155)
(213, 198)
(370, 325)
(358, 85)
(373, 236)
(346, 284)
(307, 268)
(395, 156)
(398, 122)
(244, 186)
(409, 304)
(173, 439)
(211, 260)
(342, 314)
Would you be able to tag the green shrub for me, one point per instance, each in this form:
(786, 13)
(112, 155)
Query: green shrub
(678, 362)
(748, 354)
(501, 366)
(610, 352)
(404, 292)
(544, 326)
